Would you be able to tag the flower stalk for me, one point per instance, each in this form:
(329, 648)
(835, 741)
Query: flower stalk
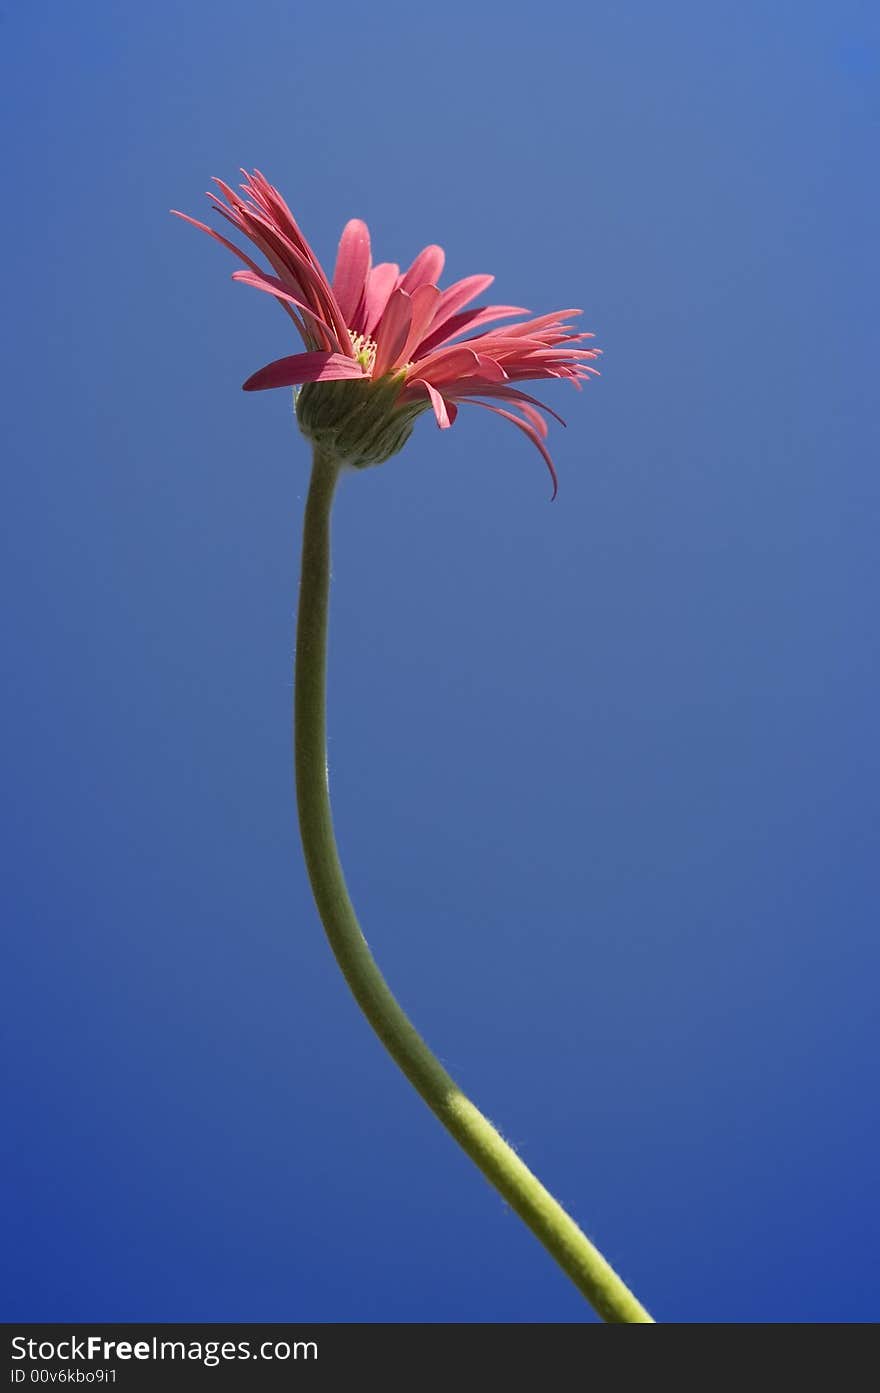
(549, 1222)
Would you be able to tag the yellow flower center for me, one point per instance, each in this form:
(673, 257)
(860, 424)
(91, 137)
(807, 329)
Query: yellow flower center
(365, 350)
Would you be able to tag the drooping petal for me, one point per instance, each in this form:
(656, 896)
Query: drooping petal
(445, 411)
(425, 270)
(507, 393)
(535, 419)
(392, 333)
(352, 267)
(304, 367)
(529, 432)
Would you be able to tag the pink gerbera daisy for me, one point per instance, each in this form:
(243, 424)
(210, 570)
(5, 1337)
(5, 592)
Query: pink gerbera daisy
(389, 345)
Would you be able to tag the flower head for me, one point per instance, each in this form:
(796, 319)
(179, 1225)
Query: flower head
(383, 346)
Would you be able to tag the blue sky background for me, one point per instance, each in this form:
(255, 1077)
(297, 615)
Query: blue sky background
(605, 772)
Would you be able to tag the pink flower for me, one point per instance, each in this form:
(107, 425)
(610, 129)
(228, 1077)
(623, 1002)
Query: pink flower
(374, 324)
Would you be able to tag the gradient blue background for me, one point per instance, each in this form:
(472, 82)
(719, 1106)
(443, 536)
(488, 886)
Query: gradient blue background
(605, 772)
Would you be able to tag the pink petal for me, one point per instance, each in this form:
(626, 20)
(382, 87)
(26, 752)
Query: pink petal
(424, 303)
(535, 419)
(352, 267)
(447, 365)
(544, 321)
(270, 226)
(458, 295)
(273, 209)
(425, 270)
(380, 283)
(276, 287)
(236, 251)
(489, 370)
(224, 241)
(268, 199)
(304, 367)
(392, 333)
(444, 411)
(271, 239)
(468, 319)
(295, 272)
(530, 433)
(513, 394)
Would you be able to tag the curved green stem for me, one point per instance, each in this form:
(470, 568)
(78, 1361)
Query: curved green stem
(549, 1222)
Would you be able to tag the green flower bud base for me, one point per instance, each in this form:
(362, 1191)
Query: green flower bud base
(358, 423)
